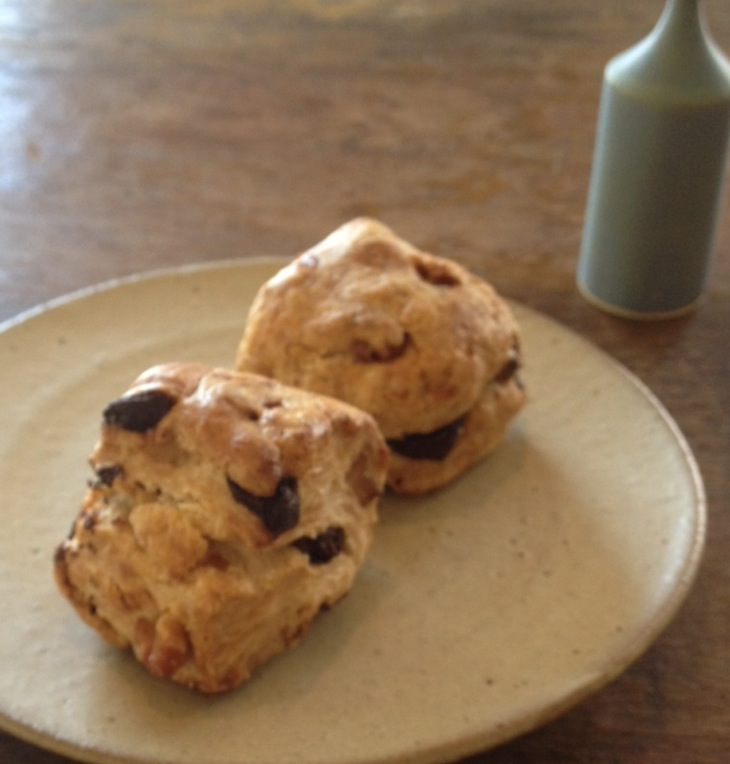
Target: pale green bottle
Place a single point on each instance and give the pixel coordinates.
(658, 170)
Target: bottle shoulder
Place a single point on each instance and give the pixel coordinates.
(678, 61)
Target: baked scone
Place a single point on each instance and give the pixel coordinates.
(226, 510)
(422, 344)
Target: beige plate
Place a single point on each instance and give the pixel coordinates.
(483, 611)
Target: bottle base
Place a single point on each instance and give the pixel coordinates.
(635, 315)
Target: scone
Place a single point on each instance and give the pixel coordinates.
(226, 511)
(425, 346)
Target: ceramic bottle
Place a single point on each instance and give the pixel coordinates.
(658, 169)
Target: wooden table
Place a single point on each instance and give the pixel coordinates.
(136, 134)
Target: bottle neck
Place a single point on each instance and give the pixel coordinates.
(681, 27)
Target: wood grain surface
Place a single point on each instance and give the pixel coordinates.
(137, 134)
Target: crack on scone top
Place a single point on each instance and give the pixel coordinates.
(436, 272)
(364, 352)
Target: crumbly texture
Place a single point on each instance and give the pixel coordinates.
(422, 344)
(226, 511)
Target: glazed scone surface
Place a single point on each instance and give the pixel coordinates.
(415, 340)
(227, 510)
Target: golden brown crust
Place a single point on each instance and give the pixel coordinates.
(415, 340)
(227, 511)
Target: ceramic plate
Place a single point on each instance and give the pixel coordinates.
(484, 609)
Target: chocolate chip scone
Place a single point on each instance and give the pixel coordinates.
(425, 346)
(226, 511)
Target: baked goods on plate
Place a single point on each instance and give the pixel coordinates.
(425, 346)
(226, 511)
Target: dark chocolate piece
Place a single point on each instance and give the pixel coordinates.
(106, 475)
(279, 512)
(507, 371)
(138, 412)
(434, 446)
(322, 548)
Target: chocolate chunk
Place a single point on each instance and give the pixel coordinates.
(322, 548)
(138, 412)
(434, 446)
(507, 371)
(511, 366)
(106, 475)
(279, 512)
